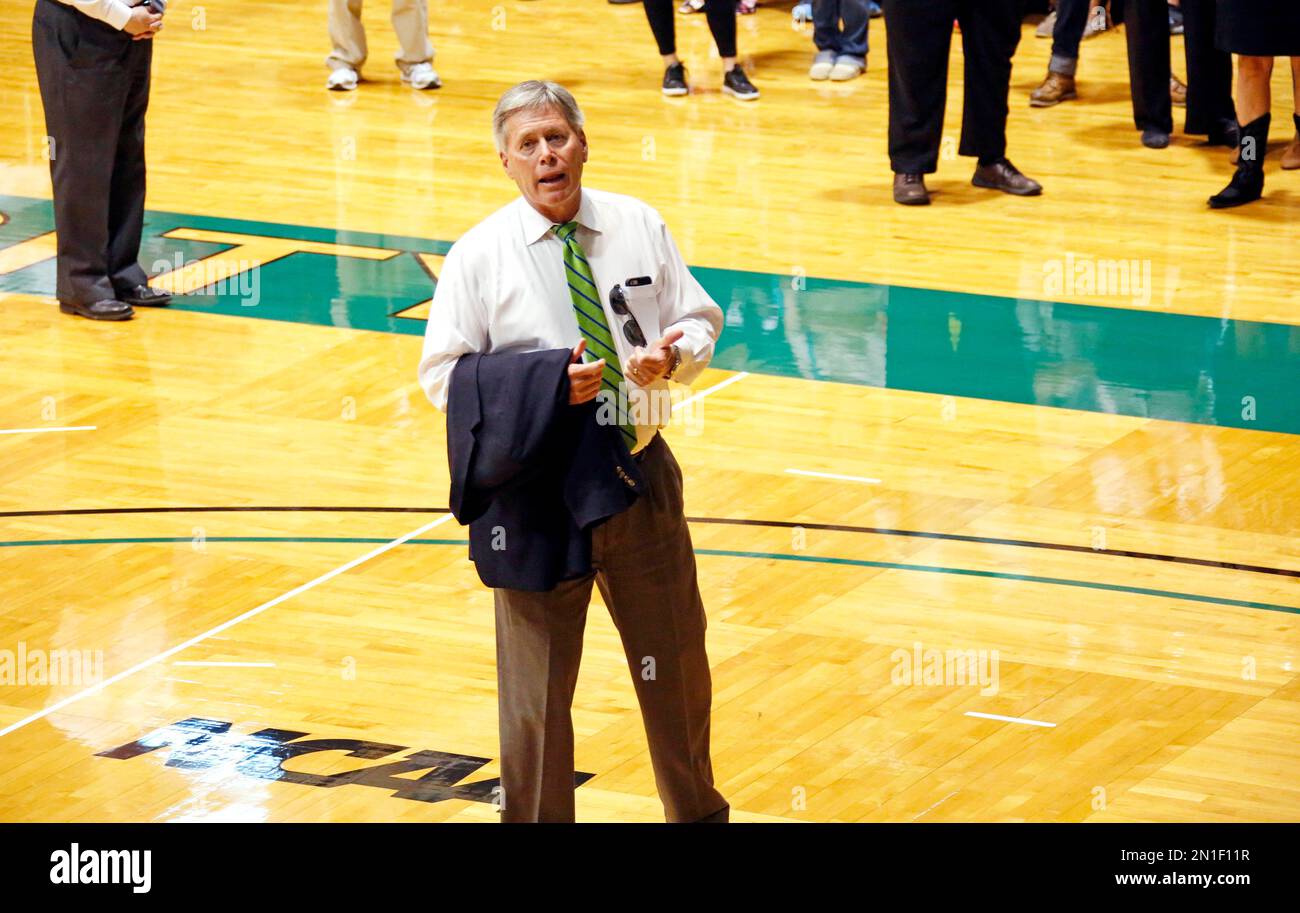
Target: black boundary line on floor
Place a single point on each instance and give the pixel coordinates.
(728, 521)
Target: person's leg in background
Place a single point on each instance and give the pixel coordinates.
(721, 15)
(918, 37)
(660, 15)
(415, 54)
(990, 31)
(1146, 30)
(1254, 99)
(853, 44)
(1059, 86)
(539, 650)
(826, 37)
(126, 198)
(1291, 155)
(1210, 111)
(348, 38)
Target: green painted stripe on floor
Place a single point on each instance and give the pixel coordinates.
(724, 553)
(1142, 363)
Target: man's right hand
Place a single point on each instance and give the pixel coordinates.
(584, 380)
(143, 24)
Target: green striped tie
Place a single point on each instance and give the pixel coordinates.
(591, 319)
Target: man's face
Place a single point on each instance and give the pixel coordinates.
(544, 155)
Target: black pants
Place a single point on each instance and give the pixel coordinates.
(95, 88)
(919, 34)
(1209, 70)
(722, 23)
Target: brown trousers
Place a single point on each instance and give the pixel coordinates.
(644, 564)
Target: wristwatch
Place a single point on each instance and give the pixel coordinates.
(677, 361)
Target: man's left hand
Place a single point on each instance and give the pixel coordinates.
(648, 365)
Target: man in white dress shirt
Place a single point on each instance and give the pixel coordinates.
(564, 267)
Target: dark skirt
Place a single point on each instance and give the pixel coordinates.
(1259, 28)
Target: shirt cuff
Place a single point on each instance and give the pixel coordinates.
(116, 14)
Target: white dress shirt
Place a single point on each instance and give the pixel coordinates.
(503, 288)
(114, 12)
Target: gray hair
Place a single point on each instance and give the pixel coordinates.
(532, 95)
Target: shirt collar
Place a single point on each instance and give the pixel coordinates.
(536, 226)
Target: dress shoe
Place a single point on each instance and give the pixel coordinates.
(107, 309)
(1154, 138)
(1177, 91)
(1004, 176)
(1056, 88)
(1225, 133)
(144, 296)
(1247, 184)
(1291, 154)
(909, 189)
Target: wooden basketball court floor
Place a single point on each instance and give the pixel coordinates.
(1058, 436)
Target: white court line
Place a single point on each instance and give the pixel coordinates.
(1010, 719)
(43, 430)
(833, 475)
(715, 388)
(93, 689)
(936, 805)
(186, 662)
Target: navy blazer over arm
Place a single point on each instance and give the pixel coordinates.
(531, 474)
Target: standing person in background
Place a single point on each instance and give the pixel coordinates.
(414, 60)
(918, 34)
(1210, 110)
(840, 34)
(1257, 31)
(721, 15)
(95, 97)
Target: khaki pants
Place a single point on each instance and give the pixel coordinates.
(645, 568)
(410, 22)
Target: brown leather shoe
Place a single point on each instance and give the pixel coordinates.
(909, 189)
(1006, 177)
(1177, 91)
(108, 309)
(1055, 89)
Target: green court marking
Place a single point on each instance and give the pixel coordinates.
(723, 553)
(1149, 364)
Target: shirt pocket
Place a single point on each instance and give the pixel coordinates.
(643, 302)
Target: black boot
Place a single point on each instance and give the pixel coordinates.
(1247, 185)
(1226, 132)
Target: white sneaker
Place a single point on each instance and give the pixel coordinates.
(422, 76)
(344, 79)
(822, 65)
(846, 68)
